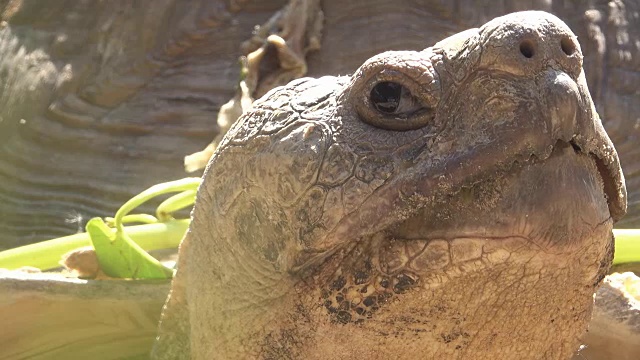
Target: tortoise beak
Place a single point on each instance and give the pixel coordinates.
(573, 119)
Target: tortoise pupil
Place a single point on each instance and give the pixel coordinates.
(385, 96)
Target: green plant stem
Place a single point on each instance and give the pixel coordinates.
(150, 193)
(627, 246)
(133, 218)
(175, 203)
(46, 255)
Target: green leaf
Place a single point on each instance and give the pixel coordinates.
(120, 257)
(117, 254)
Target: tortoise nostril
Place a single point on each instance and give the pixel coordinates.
(568, 46)
(527, 48)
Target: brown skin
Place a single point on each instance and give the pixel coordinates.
(470, 220)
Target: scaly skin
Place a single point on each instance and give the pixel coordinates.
(471, 221)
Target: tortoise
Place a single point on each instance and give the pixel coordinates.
(455, 202)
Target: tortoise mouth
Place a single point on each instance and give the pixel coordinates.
(543, 191)
(550, 208)
(547, 212)
(550, 201)
(547, 199)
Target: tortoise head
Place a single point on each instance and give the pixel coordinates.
(452, 202)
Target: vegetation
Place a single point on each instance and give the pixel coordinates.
(121, 250)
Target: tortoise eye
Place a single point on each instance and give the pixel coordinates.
(392, 98)
(396, 90)
(385, 96)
